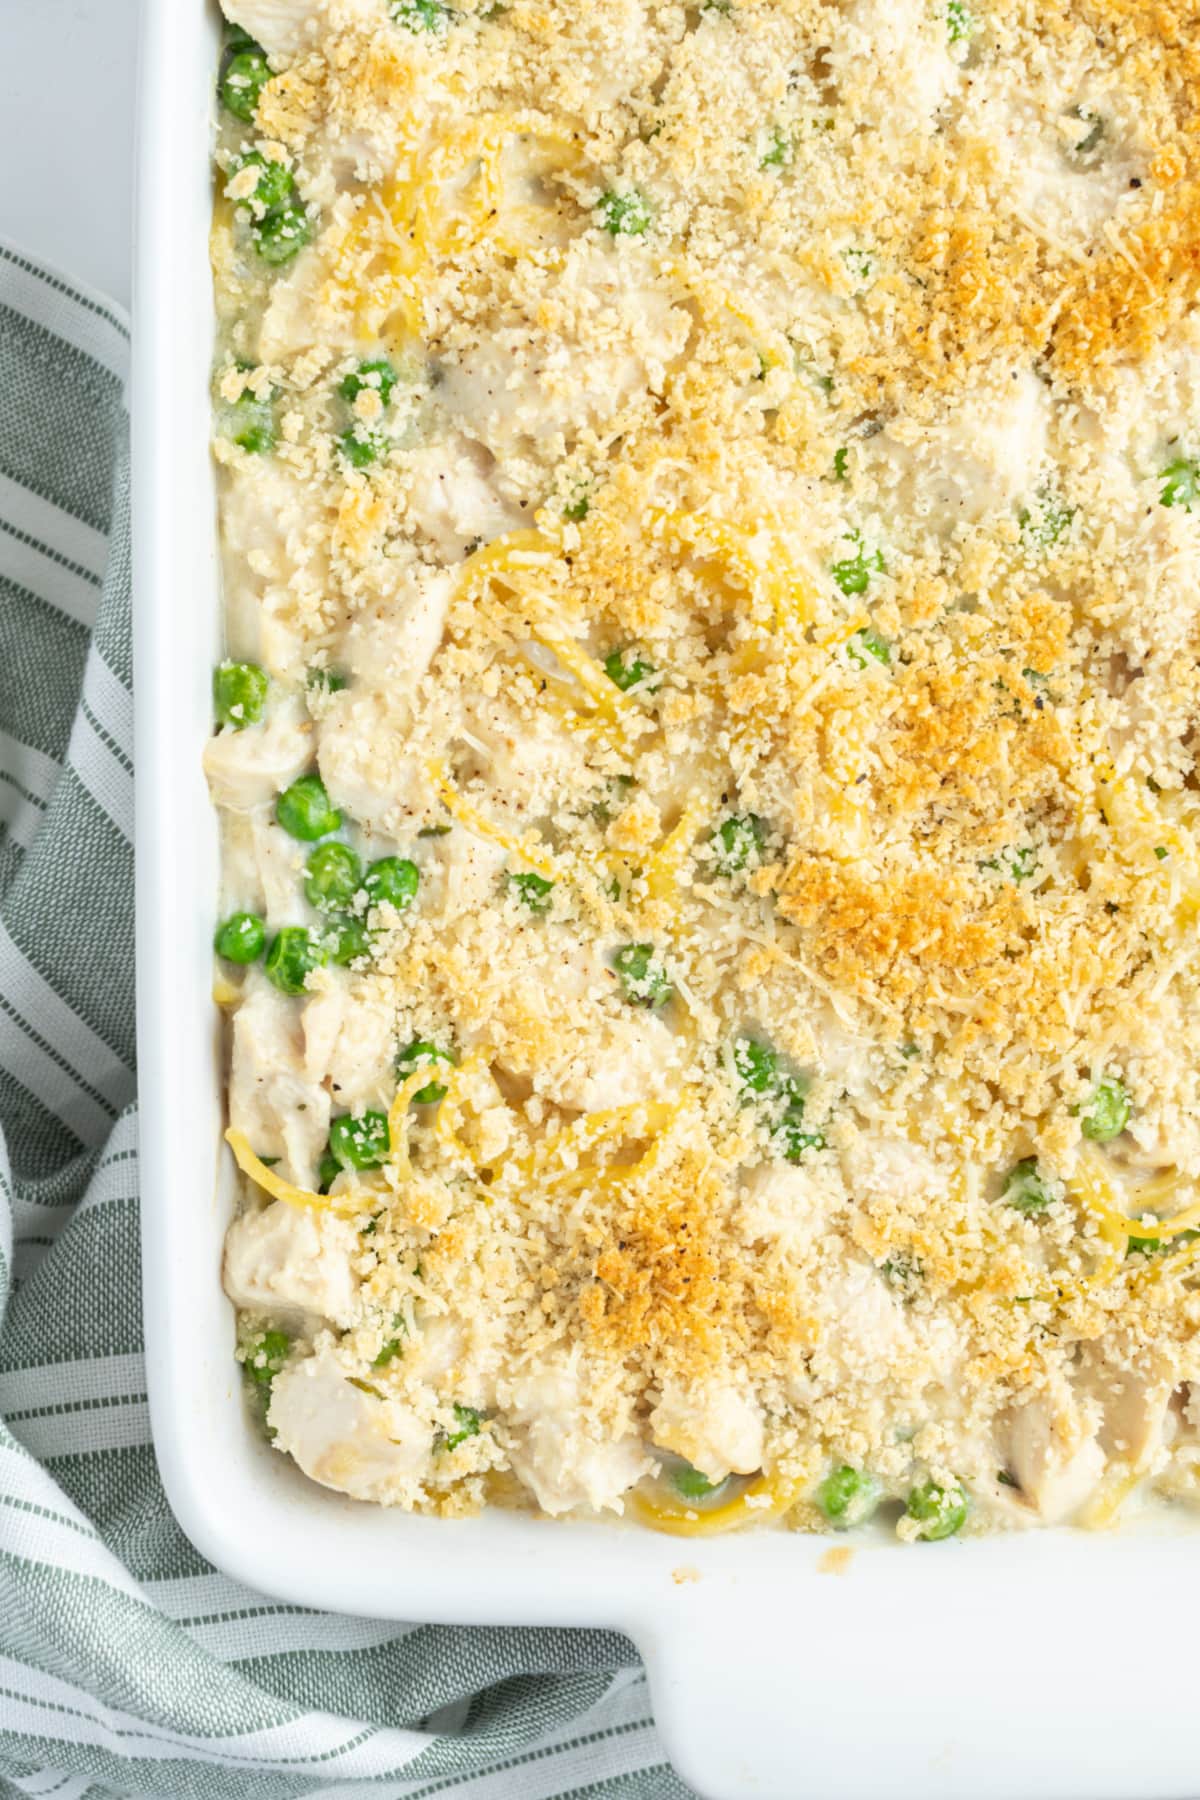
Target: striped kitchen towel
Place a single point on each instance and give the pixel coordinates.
(127, 1664)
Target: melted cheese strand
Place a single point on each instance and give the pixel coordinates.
(345, 1205)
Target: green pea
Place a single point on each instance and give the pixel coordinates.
(239, 693)
(394, 1345)
(333, 875)
(1025, 1190)
(756, 1064)
(374, 376)
(246, 74)
(275, 185)
(254, 431)
(1179, 483)
(860, 264)
(690, 1484)
(853, 573)
(643, 979)
(794, 1089)
(360, 448)
(867, 643)
(252, 423)
(347, 940)
(417, 1055)
(1146, 1246)
(466, 1422)
(960, 25)
(281, 234)
(295, 952)
(615, 795)
(241, 938)
(265, 1355)
(1021, 861)
(360, 1143)
(939, 1511)
(304, 810)
(738, 841)
(328, 1170)
(535, 890)
(422, 15)
(1046, 522)
(624, 215)
(794, 1139)
(1089, 143)
(1105, 1114)
(903, 1273)
(392, 881)
(848, 1496)
(625, 669)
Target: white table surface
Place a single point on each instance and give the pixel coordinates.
(68, 70)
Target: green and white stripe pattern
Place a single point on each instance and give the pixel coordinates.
(127, 1664)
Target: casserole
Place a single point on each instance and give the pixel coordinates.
(747, 1701)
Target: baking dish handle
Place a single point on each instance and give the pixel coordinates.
(787, 1667)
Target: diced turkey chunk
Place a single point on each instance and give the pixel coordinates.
(274, 537)
(842, 1054)
(1066, 154)
(897, 49)
(349, 1039)
(452, 1358)
(367, 763)
(272, 1101)
(248, 768)
(982, 458)
(436, 1350)
(393, 642)
(1054, 1453)
(1153, 401)
(863, 1325)
(559, 1451)
(261, 867)
(891, 1167)
(307, 310)
(464, 874)
(635, 1059)
(453, 502)
(280, 861)
(286, 1261)
(715, 1426)
(286, 27)
(530, 389)
(1134, 1405)
(546, 1005)
(608, 53)
(517, 756)
(370, 1447)
(783, 1203)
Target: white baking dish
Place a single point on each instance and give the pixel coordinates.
(1049, 1665)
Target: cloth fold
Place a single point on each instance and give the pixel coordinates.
(128, 1665)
